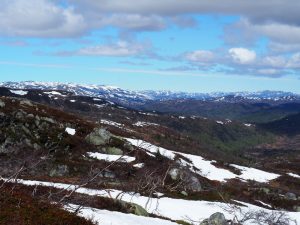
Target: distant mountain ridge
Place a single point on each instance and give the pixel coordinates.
(127, 97)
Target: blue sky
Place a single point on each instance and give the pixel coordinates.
(192, 45)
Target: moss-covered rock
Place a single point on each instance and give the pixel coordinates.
(113, 151)
(98, 137)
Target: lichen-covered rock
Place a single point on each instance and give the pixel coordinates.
(2, 104)
(215, 219)
(290, 196)
(26, 102)
(134, 208)
(174, 173)
(98, 137)
(138, 210)
(192, 183)
(189, 181)
(49, 120)
(59, 171)
(113, 151)
(108, 174)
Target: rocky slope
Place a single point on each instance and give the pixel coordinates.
(112, 152)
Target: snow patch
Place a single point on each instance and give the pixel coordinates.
(255, 174)
(54, 93)
(105, 217)
(18, 92)
(112, 123)
(294, 175)
(176, 209)
(205, 167)
(70, 131)
(142, 124)
(139, 165)
(111, 158)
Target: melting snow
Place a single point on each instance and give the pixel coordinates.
(205, 167)
(112, 123)
(142, 124)
(19, 92)
(294, 175)
(105, 217)
(264, 204)
(70, 131)
(54, 93)
(139, 165)
(255, 174)
(176, 209)
(111, 158)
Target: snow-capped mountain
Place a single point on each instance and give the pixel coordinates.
(127, 97)
(110, 93)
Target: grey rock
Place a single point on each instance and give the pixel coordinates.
(184, 193)
(108, 174)
(113, 151)
(98, 137)
(290, 196)
(49, 120)
(26, 130)
(30, 116)
(5, 147)
(138, 210)
(37, 120)
(192, 183)
(215, 219)
(20, 115)
(59, 171)
(26, 102)
(265, 190)
(36, 146)
(2, 104)
(174, 173)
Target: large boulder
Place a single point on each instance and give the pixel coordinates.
(139, 210)
(189, 180)
(98, 137)
(134, 208)
(215, 219)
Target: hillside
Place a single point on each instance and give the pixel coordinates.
(63, 139)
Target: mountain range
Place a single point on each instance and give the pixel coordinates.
(127, 97)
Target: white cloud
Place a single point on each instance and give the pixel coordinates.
(119, 49)
(257, 11)
(242, 55)
(133, 22)
(39, 18)
(294, 61)
(274, 61)
(268, 72)
(282, 33)
(200, 56)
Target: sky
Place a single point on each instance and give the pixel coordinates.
(183, 45)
